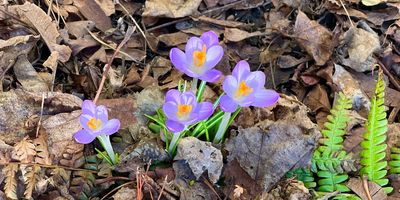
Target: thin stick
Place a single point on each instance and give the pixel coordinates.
(347, 13)
(162, 189)
(50, 166)
(40, 118)
(115, 189)
(365, 186)
(128, 35)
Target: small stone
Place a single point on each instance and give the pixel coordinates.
(201, 156)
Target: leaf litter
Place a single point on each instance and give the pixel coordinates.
(53, 54)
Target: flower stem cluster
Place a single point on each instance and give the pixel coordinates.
(184, 112)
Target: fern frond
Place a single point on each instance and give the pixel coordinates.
(373, 153)
(42, 152)
(330, 182)
(10, 187)
(339, 162)
(24, 150)
(31, 176)
(303, 175)
(334, 128)
(394, 162)
(82, 184)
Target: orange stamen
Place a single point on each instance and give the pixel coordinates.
(94, 123)
(243, 89)
(199, 57)
(183, 110)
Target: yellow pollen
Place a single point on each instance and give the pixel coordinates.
(199, 57)
(243, 89)
(94, 123)
(183, 110)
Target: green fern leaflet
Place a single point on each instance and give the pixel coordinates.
(394, 163)
(373, 153)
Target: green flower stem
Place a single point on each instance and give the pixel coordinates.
(200, 92)
(209, 123)
(174, 142)
(193, 87)
(105, 142)
(222, 127)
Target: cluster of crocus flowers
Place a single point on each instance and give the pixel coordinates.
(95, 124)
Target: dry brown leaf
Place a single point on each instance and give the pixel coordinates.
(173, 39)
(42, 152)
(372, 2)
(79, 28)
(39, 20)
(24, 150)
(10, 49)
(314, 38)
(237, 35)
(170, 8)
(238, 191)
(92, 11)
(160, 66)
(225, 23)
(30, 176)
(107, 6)
(28, 77)
(18, 106)
(376, 191)
(10, 187)
(60, 129)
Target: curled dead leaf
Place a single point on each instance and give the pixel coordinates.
(314, 38)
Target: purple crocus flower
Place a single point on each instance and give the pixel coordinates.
(182, 110)
(200, 57)
(94, 120)
(245, 88)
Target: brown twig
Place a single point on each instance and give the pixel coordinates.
(395, 83)
(112, 178)
(115, 189)
(365, 186)
(40, 118)
(128, 35)
(50, 166)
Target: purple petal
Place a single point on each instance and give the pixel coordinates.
(213, 56)
(247, 100)
(84, 119)
(204, 110)
(102, 113)
(264, 98)
(111, 127)
(178, 59)
(230, 85)
(172, 95)
(255, 80)
(188, 98)
(88, 107)
(210, 38)
(211, 76)
(241, 70)
(174, 126)
(194, 43)
(227, 104)
(170, 108)
(84, 137)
